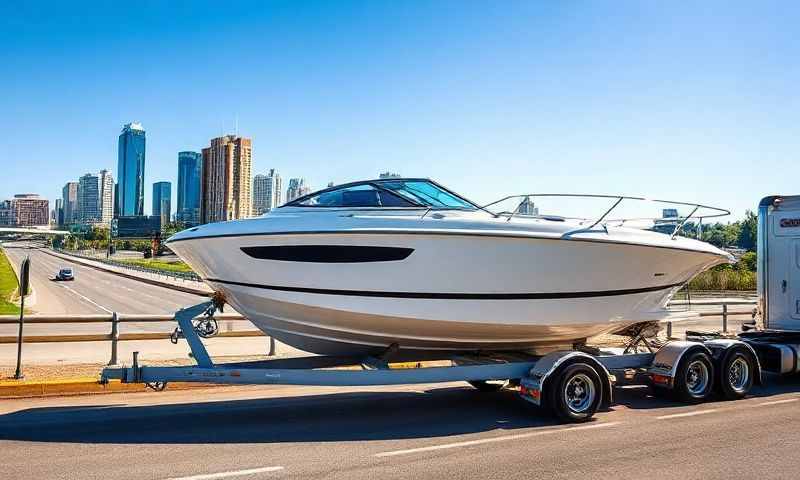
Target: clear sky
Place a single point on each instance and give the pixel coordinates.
(661, 99)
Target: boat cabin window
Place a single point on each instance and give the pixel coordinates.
(427, 193)
(355, 196)
(386, 193)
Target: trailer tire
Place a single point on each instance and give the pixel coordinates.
(488, 385)
(694, 378)
(575, 393)
(737, 373)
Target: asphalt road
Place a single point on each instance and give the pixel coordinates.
(93, 290)
(427, 431)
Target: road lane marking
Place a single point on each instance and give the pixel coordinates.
(686, 414)
(778, 402)
(233, 473)
(482, 441)
(84, 297)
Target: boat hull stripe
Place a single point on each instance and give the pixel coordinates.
(452, 296)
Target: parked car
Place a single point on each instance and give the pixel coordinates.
(65, 274)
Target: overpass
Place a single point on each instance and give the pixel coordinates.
(32, 231)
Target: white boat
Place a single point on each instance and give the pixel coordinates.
(407, 264)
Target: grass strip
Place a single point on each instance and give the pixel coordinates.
(8, 285)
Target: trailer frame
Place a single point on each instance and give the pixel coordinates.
(538, 376)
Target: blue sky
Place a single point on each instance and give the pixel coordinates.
(660, 99)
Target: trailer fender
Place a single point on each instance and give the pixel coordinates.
(532, 387)
(723, 347)
(667, 359)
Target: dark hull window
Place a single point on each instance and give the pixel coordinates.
(328, 253)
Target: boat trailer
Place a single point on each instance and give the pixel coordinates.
(572, 384)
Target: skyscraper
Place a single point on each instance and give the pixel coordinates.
(189, 178)
(59, 212)
(266, 192)
(105, 196)
(94, 198)
(297, 188)
(88, 199)
(225, 191)
(69, 198)
(162, 201)
(129, 197)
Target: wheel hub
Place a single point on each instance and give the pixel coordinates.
(579, 393)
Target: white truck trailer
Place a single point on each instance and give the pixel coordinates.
(572, 384)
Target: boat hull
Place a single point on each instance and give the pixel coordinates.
(453, 292)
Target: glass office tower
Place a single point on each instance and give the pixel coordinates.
(190, 166)
(129, 192)
(162, 201)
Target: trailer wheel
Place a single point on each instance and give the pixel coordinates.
(694, 379)
(574, 394)
(488, 385)
(737, 374)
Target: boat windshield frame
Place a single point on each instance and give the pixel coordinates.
(380, 184)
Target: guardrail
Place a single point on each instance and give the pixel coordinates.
(116, 263)
(114, 336)
(115, 319)
(725, 313)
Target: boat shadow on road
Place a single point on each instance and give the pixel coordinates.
(336, 417)
(333, 417)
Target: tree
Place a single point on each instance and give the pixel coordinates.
(747, 234)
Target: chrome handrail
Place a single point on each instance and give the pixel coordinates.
(721, 212)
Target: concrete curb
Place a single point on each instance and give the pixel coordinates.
(77, 386)
(115, 271)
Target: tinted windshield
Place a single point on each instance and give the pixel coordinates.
(355, 196)
(386, 193)
(426, 193)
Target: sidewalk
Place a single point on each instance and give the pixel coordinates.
(188, 286)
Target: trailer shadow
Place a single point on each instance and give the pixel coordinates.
(439, 412)
(643, 398)
(330, 417)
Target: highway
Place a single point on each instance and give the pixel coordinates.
(93, 291)
(96, 291)
(425, 431)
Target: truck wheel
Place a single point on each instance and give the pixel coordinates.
(737, 374)
(574, 394)
(488, 385)
(694, 380)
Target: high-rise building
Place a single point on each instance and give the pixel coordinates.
(526, 207)
(259, 194)
(69, 199)
(389, 175)
(26, 210)
(105, 196)
(59, 212)
(6, 213)
(162, 201)
(89, 199)
(266, 192)
(189, 177)
(225, 191)
(297, 188)
(129, 196)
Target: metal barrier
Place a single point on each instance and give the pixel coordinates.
(116, 319)
(191, 276)
(114, 336)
